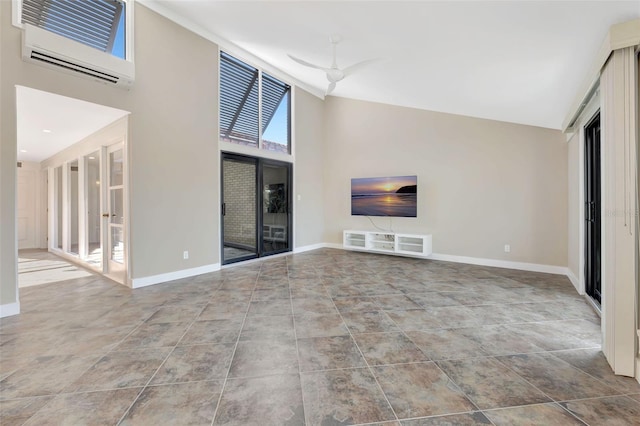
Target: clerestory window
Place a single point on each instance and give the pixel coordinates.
(101, 24)
(255, 108)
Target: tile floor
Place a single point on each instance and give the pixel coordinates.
(321, 338)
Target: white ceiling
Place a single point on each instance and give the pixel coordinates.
(68, 120)
(515, 61)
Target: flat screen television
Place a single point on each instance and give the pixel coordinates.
(384, 196)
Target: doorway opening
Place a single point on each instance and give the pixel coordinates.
(76, 152)
(592, 211)
(256, 207)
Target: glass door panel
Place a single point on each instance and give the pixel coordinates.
(115, 209)
(116, 168)
(74, 247)
(239, 209)
(94, 243)
(58, 207)
(117, 245)
(275, 207)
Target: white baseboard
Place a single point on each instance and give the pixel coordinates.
(317, 246)
(333, 246)
(176, 275)
(309, 248)
(574, 280)
(522, 266)
(9, 309)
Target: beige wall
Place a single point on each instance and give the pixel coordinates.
(481, 184)
(309, 169)
(172, 147)
(172, 143)
(574, 220)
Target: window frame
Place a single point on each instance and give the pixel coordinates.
(16, 20)
(258, 150)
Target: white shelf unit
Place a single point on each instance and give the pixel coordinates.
(355, 239)
(387, 242)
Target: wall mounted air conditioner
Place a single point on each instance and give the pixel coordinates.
(54, 51)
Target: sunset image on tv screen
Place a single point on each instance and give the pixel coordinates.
(384, 196)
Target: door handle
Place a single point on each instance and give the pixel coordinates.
(224, 209)
(105, 214)
(590, 211)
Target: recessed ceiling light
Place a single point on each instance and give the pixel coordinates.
(23, 150)
(46, 130)
(92, 158)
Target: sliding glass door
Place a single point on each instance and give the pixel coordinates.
(239, 208)
(256, 213)
(275, 207)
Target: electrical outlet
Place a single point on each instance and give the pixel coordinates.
(185, 255)
(507, 248)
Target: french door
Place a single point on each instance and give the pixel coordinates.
(592, 204)
(256, 207)
(86, 199)
(114, 214)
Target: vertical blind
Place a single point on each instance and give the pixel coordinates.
(91, 22)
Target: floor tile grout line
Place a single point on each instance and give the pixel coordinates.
(526, 380)
(295, 336)
(345, 265)
(586, 372)
(367, 363)
(169, 353)
(624, 395)
(435, 416)
(448, 377)
(235, 348)
(533, 405)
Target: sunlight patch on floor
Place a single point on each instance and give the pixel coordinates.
(43, 271)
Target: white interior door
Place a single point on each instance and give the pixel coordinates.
(114, 215)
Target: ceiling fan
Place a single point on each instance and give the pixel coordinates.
(334, 74)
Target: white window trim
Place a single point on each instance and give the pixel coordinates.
(16, 20)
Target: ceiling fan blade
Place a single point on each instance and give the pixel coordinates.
(330, 88)
(307, 64)
(355, 67)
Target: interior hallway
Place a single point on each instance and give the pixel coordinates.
(323, 337)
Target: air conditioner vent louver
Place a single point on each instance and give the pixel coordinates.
(54, 51)
(39, 56)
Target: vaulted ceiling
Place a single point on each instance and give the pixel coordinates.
(514, 61)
